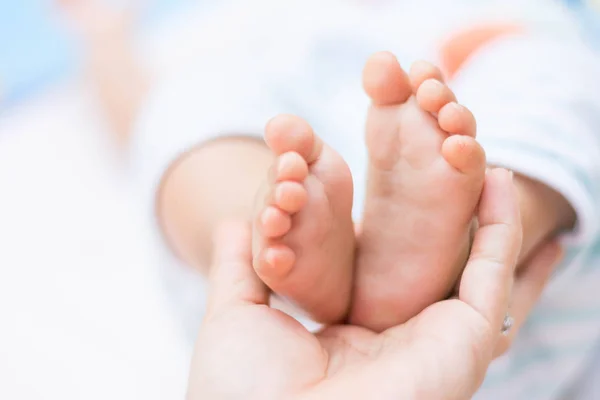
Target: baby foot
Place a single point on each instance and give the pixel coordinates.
(303, 240)
(426, 173)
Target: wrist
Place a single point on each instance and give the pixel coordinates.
(544, 213)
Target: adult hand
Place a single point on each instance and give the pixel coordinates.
(530, 281)
(248, 350)
(543, 212)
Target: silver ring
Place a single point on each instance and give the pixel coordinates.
(507, 324)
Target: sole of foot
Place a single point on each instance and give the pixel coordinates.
(303, 241)
(426, 173)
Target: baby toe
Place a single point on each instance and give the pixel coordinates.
(420, 71)
(464, 154)
(432, 95)
(274, 222)
(457, 120)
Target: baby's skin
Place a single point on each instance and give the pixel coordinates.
(426, 173)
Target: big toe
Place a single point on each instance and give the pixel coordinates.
(289, 133)
(384, 80)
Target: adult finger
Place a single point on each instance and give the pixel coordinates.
(528, 287)
(487, 279)
(233, 280)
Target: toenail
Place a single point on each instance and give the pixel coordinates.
(266, 215)
(279, 195)
(284, 168)
(269, 258)
(436, 83)
(455, 105)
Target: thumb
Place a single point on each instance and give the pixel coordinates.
(232, 278)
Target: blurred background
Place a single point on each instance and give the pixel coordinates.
(81, 316)
(74, 285)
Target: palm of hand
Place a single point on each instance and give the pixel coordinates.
(305, 365)
(248, 350)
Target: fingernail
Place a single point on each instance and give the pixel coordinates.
(503, 173)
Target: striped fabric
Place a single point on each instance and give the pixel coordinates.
(536, 100)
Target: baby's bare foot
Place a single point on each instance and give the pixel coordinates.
(426, 173)
(303, 232)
